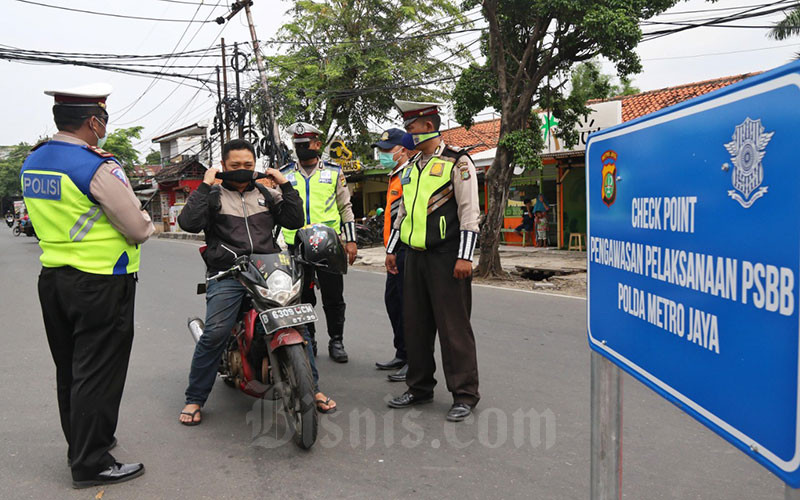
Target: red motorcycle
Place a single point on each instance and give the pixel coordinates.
(266, 355)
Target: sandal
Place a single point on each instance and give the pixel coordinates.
(192, 422)
(322, 400)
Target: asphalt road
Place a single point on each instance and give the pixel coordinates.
(533, 360)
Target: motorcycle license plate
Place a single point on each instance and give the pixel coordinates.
(284, 317)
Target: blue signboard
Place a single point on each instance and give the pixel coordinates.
(694, 259)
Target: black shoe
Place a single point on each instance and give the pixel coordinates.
(117, 473)
(337, 352)
(394, 364)
(407, 399)
(458, 412)
(399, 376)
(113, 445)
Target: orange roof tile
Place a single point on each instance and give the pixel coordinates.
(637, 105)
(484, 135)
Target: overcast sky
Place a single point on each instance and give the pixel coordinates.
(694, 55)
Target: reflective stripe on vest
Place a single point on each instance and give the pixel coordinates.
(318, 193)
(394, 197)
(431, 210)
(72, 228)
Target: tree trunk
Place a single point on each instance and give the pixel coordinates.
(498, 179)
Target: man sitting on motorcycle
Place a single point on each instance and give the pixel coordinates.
(238, 218)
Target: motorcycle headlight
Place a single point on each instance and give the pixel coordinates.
(279, 281)
(280, 288)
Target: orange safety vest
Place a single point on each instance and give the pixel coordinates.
(393, 195)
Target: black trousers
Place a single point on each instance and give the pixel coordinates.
(393, 297)
(433, 300)
(89, 324)
(332, 287)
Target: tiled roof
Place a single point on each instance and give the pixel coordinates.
(638, 105)
(484, 135)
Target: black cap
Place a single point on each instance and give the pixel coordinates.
(391, 138)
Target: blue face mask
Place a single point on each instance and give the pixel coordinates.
(387, 159)
(411, 141)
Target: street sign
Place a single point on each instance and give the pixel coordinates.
(694, 259)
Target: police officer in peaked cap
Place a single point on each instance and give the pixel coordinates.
(437, 220)
(91, 227)
(326, 200)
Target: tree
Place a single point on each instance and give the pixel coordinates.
(530, 47)
(153, 158)
(589, 82)
(347, 60)
(10, 166)
(788, 26)
(119, 143)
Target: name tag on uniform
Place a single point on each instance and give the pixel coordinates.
(325, 177)
(406, 176)
(437, 169)
(291, 179)
(43, 186)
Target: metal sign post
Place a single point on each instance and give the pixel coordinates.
(693, 275)
(606, 410)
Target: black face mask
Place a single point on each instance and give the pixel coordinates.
(304, 153)
(240, 175)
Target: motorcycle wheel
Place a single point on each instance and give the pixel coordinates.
(297, 372)
(17, 231)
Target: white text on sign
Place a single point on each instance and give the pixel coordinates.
(673, 213)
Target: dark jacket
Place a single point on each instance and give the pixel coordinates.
(240, 223)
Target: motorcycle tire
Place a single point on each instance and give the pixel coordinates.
(301, 408)
(17, 231)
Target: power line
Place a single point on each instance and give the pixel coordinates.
(109, 14)
(720, 53)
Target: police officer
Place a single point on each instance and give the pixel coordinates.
(438, 221)
(394, 156)
(326, 200)
(91, 227)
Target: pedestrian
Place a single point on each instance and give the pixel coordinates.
(541, 205)
(541, 229)
(438, 221)
(527, 217)
(326, 200)
(90, 226)
(394, 156)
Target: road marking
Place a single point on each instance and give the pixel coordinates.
(534, 292)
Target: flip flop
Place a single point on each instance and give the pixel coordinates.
(324, 401)
(192, 422)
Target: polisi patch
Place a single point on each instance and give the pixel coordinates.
(42, 186)
(120, 174)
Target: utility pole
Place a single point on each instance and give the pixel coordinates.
(262, 71)
(225, 89)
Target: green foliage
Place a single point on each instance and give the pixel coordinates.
(524, 146)
(344, 65)
(153, 158)
(10, 166)
(119, 143)
(788, 26)
(475, 90)
(589, 82)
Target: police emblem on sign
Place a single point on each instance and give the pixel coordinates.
(747, 149)
(609, 160)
